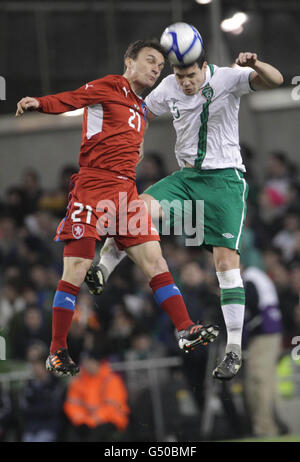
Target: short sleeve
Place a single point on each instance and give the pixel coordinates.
(237, 80)
(156, 101)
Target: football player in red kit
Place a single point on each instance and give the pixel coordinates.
(103, 197)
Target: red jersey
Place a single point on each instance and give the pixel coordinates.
(113, 122)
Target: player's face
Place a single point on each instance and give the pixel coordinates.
(144, 71)
(191, 78)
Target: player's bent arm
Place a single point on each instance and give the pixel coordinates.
(264, 76)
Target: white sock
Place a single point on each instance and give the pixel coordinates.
(234, 320)
(110, 256)
(233, 307)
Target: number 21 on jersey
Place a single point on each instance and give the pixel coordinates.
(134, 120)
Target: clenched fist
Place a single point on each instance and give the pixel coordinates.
(246, 59)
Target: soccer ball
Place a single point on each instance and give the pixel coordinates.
(182, 42)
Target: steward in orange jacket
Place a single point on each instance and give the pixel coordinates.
(97, 396)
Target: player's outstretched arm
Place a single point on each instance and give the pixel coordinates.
(265, 76)
(26, 104)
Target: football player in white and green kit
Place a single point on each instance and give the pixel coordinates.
(204, 102)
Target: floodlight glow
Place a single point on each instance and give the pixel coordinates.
(203, 2)
(235, 23)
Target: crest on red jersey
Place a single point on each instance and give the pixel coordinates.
(78, 230)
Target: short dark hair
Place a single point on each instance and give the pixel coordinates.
(135, 47)
(200, 61)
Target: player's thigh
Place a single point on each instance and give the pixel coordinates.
(170, 193)
(148, 257)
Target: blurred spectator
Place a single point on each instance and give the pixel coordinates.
(26, 328)
(198, 292)
(11, 302)
(31, 190)
(286, 238)
(42, 281)
(279, 175)
(152, 169)
(41, 404)
(296, 251)
(5, 412)
(266, 218)
(263, 336)
(293, 195)
(55, 201)
(287, 286)
(96, 402)
(14, 204)
(8, 239)
(272, 256)
(121, 329)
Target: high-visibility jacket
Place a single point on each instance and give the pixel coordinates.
(96, 399)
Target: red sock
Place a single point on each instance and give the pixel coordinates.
(168, 296)
(62, 313)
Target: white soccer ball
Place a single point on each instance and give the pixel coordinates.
(182, 42)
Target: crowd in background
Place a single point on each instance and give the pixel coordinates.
(125, 323)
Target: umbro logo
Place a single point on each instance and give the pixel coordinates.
(88, 86)
(228, 235)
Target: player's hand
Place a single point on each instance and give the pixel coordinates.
(26, 104)
(246, 59)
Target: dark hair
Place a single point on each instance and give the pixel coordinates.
(199, 61)
(135, 47)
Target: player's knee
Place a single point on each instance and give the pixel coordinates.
(75, 270)
(223, 265)
(158, 266)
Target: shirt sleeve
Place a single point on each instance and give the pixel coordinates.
(90, 93)
(156, 100)
(237, 80)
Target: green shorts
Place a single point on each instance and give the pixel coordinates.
(215, 201)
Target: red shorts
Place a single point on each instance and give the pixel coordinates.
(102, 204)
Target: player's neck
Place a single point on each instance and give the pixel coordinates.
(135, 86)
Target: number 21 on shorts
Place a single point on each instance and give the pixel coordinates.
(80, 208)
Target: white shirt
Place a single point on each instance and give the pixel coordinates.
(206, 123)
